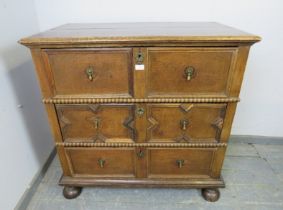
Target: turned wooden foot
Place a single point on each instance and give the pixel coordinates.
(210, 195)
(71, 192)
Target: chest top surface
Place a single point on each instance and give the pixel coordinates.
(93, 33)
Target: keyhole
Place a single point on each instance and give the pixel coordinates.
(140, 153)
(139, 58)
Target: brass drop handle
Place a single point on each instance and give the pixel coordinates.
(184, 124)
(101, 163)
(96, 123)
(180, 163)
(90, 73)
(189, 72)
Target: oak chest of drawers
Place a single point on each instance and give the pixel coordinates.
(141, 104)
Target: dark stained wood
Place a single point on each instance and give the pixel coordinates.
(141, 115)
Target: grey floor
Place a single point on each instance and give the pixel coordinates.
(253, 174)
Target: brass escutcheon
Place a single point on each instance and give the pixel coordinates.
(139, 58)
(140, 111)
(140, 153)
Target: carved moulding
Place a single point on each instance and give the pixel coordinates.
(89, 144)
(137, 100)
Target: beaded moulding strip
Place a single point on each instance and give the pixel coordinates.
(192, 145)
(137, 100)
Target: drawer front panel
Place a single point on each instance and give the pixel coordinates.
(182, 72)
(97, 122)
(184, 122)
(180, 163)
(102, 162)
(97, 73)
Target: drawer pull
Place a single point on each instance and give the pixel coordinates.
(96, 123)
(184, 124)
(180, 163)
(90, 73)
(189, 72)
(101, 163)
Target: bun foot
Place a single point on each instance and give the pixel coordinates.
(210, 194)
(71, 192)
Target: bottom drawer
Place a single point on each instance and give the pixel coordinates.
(180, 162)
(102, 162)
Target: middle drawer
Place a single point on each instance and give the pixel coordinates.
(129, 123)
(97, 122)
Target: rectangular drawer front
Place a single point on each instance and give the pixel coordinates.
(99, 73)
(97, 122)
(184, 122)
(181, 72)
(180, 163)
(102, 162)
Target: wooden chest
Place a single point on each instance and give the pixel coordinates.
(141, 104)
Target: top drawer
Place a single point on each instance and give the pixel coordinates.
(99, 73)
(185, 72)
